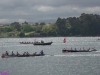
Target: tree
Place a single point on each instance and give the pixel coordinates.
(54, 30)
(46, 29)
(16, 25)
(27, 28)
(25, 22)
(36, 23)
(61, 24)
(42, 23)
(22, 34)
(91, 24)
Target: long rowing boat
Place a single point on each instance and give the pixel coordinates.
(30, 55)
(88, 50)
(26, 42)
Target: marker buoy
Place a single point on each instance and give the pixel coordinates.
(64, 41)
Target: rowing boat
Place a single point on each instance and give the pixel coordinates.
(88, 50)
(30, 55)
(26, 42)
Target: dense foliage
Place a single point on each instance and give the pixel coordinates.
(85, 25)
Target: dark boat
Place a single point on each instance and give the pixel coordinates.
(38, 43)
(88, 50)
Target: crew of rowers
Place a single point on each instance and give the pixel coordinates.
(76, 49)
(39, 42)
(25, 53)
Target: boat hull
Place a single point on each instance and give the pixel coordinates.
(7, 56)
(75, 51)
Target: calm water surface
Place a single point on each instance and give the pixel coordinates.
(55, 62)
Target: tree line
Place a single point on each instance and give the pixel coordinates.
(84, 25)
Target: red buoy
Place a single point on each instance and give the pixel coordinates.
(64, 41)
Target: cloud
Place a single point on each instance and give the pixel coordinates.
(4, 20)
(45, 8)
(35, 10)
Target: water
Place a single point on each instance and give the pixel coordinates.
(55, 62)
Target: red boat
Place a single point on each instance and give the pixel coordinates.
(26, 42)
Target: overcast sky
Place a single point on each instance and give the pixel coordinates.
(35, 10)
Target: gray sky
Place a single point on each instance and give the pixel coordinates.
(35, 10)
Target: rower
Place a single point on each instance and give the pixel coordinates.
(42, 41)
(41, 53)
(75, 49)
(34, 53)
(13, 53)
(71, 48)
(27, 54)
(7, 53)
(83, 49)
(88, 49)
(80, 49)
(24, 53)
(18, 53)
